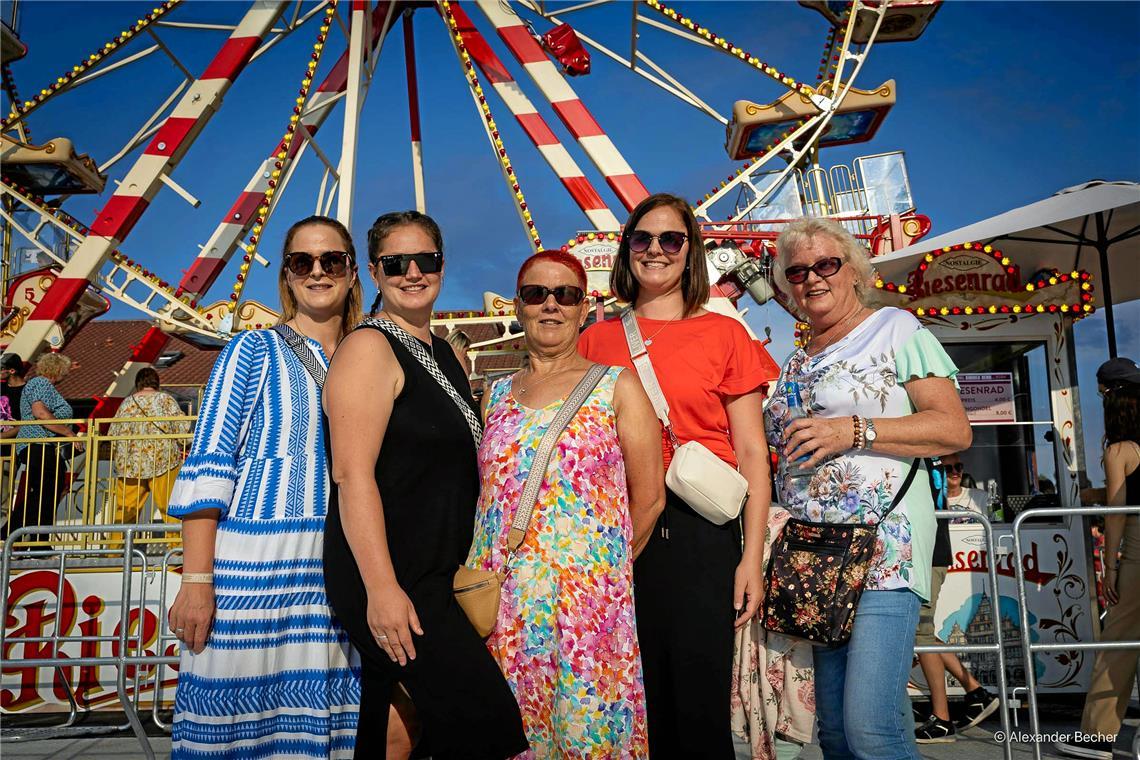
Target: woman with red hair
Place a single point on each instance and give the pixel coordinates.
(565, 635)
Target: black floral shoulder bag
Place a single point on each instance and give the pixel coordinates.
(817, 573)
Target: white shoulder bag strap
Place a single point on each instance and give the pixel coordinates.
(644, 367)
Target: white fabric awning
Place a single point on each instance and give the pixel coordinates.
(1065, 231)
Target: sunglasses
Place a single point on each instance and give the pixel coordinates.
(824, 268)
(564, 295)
(333, 263)
(670, 242)
(957, 468)
(429, 262)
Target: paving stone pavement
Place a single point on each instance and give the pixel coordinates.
(975, 744)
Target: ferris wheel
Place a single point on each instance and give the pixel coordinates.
(80, 264)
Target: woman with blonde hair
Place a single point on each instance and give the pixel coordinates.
(881, 396)
(45, 466)
(266, 670)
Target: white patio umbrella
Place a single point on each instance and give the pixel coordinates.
(1094, 226)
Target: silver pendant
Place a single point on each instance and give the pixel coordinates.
(648, 342)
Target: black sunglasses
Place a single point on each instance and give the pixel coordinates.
(428, 262)
(670, 242)
(824, 268)
(957, 467)
(564, 295)
(333, 263)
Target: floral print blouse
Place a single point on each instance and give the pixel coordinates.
(863, 374)
(145, 452)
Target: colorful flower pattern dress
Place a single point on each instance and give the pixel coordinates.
(565, 636)
(863, 374)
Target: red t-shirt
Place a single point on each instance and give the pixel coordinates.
(700, 362)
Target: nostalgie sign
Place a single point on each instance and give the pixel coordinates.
(89, 606)
(987, 396)
(975, 279)
(1053, 559)
(598, 257)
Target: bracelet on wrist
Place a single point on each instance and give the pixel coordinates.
(857, 434)
(197, 577)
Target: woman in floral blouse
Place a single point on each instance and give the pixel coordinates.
(879, 379)
(146, 460)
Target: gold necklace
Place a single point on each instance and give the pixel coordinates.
(838, 332)
(649, 341)
(530, 372)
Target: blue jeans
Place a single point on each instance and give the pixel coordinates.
(860, 687)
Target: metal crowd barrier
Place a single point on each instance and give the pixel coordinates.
(130, 648)
(1028, 647)
(998, 646)
(82, 479)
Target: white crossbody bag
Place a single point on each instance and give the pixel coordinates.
(708, 484)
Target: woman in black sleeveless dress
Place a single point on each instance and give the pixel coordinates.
(402, 513)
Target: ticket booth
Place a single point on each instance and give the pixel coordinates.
(1008, 333)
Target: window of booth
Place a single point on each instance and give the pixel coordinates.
(1005, 389)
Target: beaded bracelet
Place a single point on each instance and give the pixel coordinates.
(197, 577)
(857, 442)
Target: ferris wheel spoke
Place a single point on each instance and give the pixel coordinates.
(535, 126)
(566, 104)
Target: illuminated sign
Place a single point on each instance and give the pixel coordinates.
(976, 279)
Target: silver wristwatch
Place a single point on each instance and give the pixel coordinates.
(869, 435)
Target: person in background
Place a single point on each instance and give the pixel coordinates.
(460, 343)
(12, 374)
(959, 496)
(1114, 670)
(881, 392)
(979, 703)
(565, 634)
(695, 582)
(45, 463)
(266, 670)
(146, 461)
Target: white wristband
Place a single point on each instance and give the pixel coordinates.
(197, 577)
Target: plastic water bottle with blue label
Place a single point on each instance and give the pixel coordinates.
(796, 470)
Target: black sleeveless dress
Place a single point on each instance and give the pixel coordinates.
(429, 483)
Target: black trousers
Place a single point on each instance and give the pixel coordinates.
(45, 474)
(683, 595)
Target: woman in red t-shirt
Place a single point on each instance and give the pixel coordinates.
(692, 581)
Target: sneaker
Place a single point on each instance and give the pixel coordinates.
(979, 705)
(1092, 750)
(935, 731)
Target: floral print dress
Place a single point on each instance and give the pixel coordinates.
(863, 374)
(565, 636)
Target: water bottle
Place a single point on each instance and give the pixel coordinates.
(796, 471)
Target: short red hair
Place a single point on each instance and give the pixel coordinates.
(556, 257)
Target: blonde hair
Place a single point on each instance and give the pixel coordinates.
(459, 340)
(53, 367)
(353, 305)
(853, 252)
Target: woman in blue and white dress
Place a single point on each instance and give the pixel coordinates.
(266, 670)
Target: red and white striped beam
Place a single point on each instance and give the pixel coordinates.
(566, 103)
(536, 128)
(129, 202)
(414, 114)
(220, 247)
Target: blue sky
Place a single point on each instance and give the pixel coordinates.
(999, 105)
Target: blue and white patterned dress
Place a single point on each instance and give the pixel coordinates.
(278, 677)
